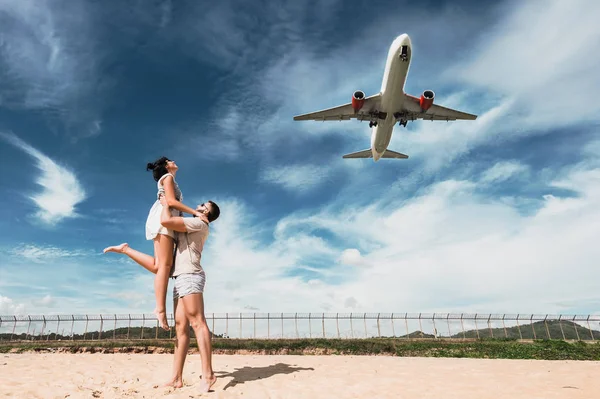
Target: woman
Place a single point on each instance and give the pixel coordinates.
(164, 171)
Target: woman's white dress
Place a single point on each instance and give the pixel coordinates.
(153, 226)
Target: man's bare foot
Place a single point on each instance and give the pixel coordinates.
(175, 382)
(117, 248)
(207, 383)
(162, 319)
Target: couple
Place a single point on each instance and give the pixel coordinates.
(165, 227)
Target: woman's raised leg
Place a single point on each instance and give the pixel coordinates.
(142, 259)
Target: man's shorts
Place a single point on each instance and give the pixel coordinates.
(188, 283)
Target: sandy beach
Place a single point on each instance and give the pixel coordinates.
(57, 375)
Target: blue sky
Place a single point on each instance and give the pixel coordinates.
(497, 215)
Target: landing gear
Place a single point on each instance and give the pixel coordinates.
(400, 117)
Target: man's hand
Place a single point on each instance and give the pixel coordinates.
(201, 216)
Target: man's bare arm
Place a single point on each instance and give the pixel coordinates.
(173, 222)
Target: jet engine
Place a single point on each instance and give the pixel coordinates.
(426, 100)
(358, 100)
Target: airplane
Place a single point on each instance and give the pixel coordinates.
(389, 106)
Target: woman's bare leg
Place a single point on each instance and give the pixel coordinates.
(142, 259)
(163, 255)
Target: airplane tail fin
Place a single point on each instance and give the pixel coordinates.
(368, 154)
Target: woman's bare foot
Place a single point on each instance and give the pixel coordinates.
(117, 248)
(175, 382)
(161, 316)
(207, 383)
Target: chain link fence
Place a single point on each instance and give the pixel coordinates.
(307, 325)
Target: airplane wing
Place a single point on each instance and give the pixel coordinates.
(412, 110)
(345, 112)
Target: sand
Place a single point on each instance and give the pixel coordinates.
(58, 375)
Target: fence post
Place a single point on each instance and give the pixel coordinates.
(448, 322)
(434, 327)
(240, 325)
(420, 326)
(406, 322)
(561, 327)
(393, 329)
(296, 322)
(576, 329)
(532, 328)
(254, 325)
(590, 328)
(143, 324)
(490, 326)
(337, 324)
(115, 327)
(268, 325)
(547, 330)
(128, 324)
(28, 325)
(57, 327)
(281, 325)
(14, 328)
(72, 326)
(378, 328)
(86, 327)
(519, 327)
(351, 327)
(462, 326)
(323, 323)
(227, 324)
(101, 325)
(504, 326)
(365, 321)
(476, 327)
(309, 327)
(43, 328)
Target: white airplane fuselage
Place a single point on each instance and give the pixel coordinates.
(392, 93)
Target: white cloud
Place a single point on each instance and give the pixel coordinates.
(296, 178)
(447, 249)
(48, 62)
(61, 190)
(9, 307)
(352, 257)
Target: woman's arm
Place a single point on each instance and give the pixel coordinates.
(172, 201)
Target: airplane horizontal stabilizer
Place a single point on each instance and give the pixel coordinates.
(369, 154)
(360, 154)
(394, 154)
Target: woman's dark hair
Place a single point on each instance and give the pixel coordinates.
(158, 167)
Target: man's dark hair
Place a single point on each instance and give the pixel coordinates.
(214, 212)
(158, 167)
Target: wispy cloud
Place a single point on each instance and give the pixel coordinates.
(48, 253)
(503, 171)
(297, 178)
(535, 70)
(48, 62)
(61, 190)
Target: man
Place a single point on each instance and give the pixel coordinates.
(189, 279)
(188, 300)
